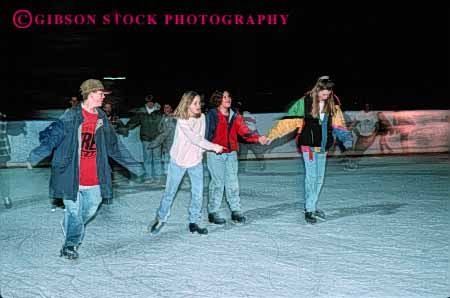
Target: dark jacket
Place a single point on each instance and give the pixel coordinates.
(311, 131)
(63, 137)
(149, 123)
(225, 133)
(315, 130)
(166, 128)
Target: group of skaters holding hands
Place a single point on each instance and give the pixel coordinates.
(83, 140)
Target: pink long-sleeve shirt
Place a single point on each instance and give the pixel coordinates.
(189, 142)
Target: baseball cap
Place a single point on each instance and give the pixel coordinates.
(92, 85)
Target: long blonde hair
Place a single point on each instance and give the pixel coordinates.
(323, 83)
(182, 110)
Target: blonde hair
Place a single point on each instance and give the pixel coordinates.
(323, 83)
(182, 110)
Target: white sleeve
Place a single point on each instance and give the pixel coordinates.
(195, 137)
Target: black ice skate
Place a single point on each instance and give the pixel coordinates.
(216, 219)
(156, 226)
(310, 218)
(237, 217)
(193, 227)
(69, 252)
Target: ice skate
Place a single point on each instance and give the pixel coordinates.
(237, 217)
(309, 218)
(69, 252)
(193, 227)
(216, 219)
(156, 226)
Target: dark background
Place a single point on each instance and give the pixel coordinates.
(391, 57)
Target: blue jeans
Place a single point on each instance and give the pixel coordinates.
(165, 161)
(174, 177)
(314, 176)
(223, 169)
(152, 161)
(79, 212)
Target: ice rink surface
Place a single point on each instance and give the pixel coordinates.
(387, 235)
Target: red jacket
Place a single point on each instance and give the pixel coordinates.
(224, 133)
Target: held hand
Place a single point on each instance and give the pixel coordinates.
(219, 149)
(263, 140)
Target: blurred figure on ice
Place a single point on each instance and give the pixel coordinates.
(365, 127)
(5, 156)
(74, 102)
(244, 147)
(7, 128)
(186, 155)
(223, 126)
(316, 117)
(117, 124)
(119, 128)
(403, 124)
(81, 141)
(148, 119)
(165, 138)
(384, 129)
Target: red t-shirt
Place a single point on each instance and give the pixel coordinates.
(88, 156)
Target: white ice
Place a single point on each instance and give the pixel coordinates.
(387, 235)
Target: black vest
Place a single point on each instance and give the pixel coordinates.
(311, 134)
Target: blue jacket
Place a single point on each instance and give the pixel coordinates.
(62, 138)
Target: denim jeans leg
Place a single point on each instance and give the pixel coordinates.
(321, 165)
(310, 182)
(165, 161)
(90, 200)
(174, 177)
(216, 167)
(156, 159)
(231, 181)
(78, 213)
(73, 222)
(195, 208)
(147, 159)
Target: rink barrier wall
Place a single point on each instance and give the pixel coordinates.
(423, 131)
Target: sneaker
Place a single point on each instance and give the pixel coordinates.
(193, 227)
(237, 217)
(216, 219)
(69, 252)
(7, 202)
(310, 218)
(156, 226)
